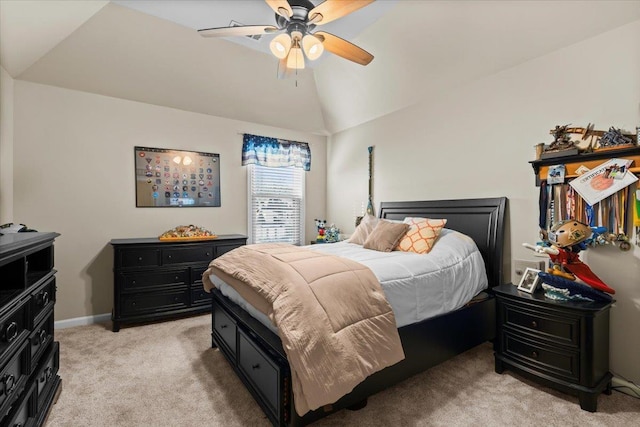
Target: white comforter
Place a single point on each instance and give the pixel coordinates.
(417, 286)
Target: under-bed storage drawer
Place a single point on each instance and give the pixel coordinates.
(261, 372)
(225, 328)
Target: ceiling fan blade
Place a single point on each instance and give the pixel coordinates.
(331, 10)
(243, 30)
(281, 7)
(343, 48)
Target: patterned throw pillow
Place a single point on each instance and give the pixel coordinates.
(422, 235)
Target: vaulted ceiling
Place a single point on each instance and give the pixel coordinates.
(154, 55)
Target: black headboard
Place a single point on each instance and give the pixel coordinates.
(481, 219)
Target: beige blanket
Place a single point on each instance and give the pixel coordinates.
(334, 321)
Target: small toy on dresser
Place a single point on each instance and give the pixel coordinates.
(565, 241)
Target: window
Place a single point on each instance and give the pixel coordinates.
(276, 205)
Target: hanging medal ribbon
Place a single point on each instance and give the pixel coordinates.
(622, 220)
(542, 203)
(636, 214)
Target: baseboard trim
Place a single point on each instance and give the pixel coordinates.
(82, 321)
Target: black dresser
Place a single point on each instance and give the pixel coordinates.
(29, 356)
(563, 345)
(156, 280)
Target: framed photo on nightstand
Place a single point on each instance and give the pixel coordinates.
(530, 280)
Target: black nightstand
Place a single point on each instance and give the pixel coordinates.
(563, 345)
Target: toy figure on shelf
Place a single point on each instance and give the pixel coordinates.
(566, 239)
(321, 224)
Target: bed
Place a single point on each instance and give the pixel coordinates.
(256, 354)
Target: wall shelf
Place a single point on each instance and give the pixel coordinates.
(589, 160)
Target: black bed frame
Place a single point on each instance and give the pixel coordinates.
(425, 344)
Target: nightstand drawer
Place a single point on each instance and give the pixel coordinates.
(553, 360)
(541, 323)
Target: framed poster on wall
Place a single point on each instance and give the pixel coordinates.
(176, 178)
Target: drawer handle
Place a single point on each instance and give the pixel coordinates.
(44, 298)
(534, 354)
(139, 258)
(177, 278)
(169, 256)
(534, 324)
(208, 254)
(46, 374)
(223, 326)
(9, 382)
(11, 332)
(256, 366)
(43, 336)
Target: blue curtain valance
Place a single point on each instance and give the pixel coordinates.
(275, 153)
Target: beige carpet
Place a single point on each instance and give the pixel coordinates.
(166, 374)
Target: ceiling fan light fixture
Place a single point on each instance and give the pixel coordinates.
(295, 60)
(280, 46)
(313, 47)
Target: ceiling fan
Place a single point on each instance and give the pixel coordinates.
(296, 20)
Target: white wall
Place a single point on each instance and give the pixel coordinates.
(6, 147)
(74, 174)
(476, 141)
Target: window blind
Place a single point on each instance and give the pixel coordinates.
(276, 205)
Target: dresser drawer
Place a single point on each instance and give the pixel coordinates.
(552, 360)
(149, 279)
(14, 327)
(46, 375)
(542, 323)
(154, 302)
(199, 296)
(40, 338)
(13, 378)
(139, 257)
(261, 372)
(42, 299)
(196, 275)
(187, 255)
(23, 415)
(225, 328)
